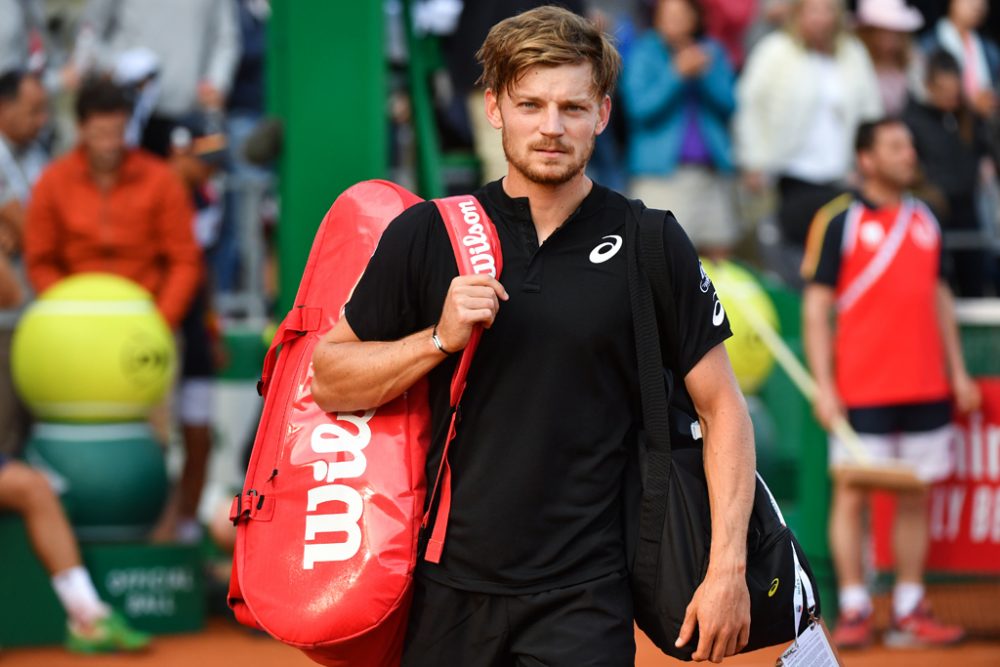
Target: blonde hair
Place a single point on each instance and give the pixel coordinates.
(548, 36)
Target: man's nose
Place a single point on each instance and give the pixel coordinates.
(552, 121)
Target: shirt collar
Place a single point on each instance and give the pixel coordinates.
(518, 208)
(126, 170)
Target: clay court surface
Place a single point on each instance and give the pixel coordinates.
(223, 644)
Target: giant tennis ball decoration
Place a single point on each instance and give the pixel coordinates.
(92, 348)
(738, 290)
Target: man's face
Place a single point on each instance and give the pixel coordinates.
(23, 118)
(892, 159)
(818, 21)
(944, 91)
(102, 136)
(549, 120)
(967, 14)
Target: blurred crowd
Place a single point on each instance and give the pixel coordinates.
(740, 115)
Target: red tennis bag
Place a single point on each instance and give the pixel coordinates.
(330, 511)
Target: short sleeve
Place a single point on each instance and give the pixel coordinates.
(386, 301)
(700, 320)
(821, 262)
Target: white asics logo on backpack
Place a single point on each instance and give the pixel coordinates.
(606, 250)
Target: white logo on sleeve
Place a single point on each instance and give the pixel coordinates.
(606, 250)
(718, 312)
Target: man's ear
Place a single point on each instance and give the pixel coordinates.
(604, 114)
(493, 109)
(863, 160)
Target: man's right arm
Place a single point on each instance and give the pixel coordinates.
(350, 374)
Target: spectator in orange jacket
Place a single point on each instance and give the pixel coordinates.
(105, 207)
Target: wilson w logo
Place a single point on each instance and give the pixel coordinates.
(335, 439)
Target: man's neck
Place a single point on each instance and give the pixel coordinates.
(104, 178)
(881, 194)
(550, 205)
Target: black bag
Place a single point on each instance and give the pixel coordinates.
(667, 513)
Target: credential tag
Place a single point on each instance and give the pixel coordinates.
(812, 649)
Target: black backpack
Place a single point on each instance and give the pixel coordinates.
(667, 517)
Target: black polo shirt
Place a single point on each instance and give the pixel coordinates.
(553, 394)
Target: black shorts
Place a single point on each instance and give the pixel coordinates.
(586, 625)
(197, 361)
(902, 418)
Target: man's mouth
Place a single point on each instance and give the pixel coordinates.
(549, 150)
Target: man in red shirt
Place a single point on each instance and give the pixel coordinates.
(104, 207)
(892, 364)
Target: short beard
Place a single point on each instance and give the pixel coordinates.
(534, 175)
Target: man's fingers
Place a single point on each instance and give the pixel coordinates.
(743, 639)
(731, 645)
(687, 628)
(705, 641)
(479, 303)
(484, 316)
(481, 280)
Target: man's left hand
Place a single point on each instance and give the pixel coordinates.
(720, 609)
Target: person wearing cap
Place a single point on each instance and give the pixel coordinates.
(885, 27)
(198, 151)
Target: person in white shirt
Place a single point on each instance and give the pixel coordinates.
(803, 93)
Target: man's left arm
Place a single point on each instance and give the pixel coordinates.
(964, 388)
(720, 608)
(179, 250)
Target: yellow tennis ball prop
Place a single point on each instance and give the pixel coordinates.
(738, 290)
(92, 348)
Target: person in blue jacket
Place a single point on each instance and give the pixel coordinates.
(678, 92)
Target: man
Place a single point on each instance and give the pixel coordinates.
(103, 207)
(534, 568)
(93, 627)
(23, 115)
(891, 363)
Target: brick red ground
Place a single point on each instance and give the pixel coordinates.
(224, 644)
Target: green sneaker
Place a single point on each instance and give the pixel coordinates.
(108, 635)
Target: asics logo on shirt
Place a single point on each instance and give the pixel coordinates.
(606, 250)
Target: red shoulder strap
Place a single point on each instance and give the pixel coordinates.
(477, 250)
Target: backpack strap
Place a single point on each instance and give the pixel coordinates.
(477, 250)
(654, 393)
